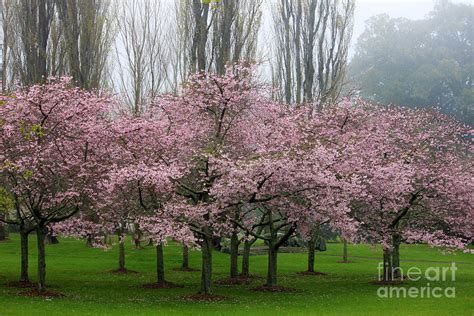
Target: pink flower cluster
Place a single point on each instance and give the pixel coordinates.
(183, 168)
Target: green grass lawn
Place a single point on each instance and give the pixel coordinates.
(81, 274)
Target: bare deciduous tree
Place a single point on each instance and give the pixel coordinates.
(33, 22)
(312, 41)
(217, 33)
(141, 54)
(87, 32)
(6, 19)
(57, 37)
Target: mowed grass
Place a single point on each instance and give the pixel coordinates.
(82, 275)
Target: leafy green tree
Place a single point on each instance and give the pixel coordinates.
(423, 63)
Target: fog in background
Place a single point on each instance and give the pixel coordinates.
(164, 24)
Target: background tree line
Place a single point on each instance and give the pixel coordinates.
(422, 63)
(142, 47)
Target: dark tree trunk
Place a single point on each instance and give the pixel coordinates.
(272, 265)
(206, 273)
(344, 252)
(216, 243)
(89, 241)
(137, 237)
(274, 244)
(185, 263)
(137, 243)
(41, 235)
(387, 265)
(246, 258)
(198, 56)
(288, 82)
(35, 29)
(51, 239)
(228, 11)
(24, 256)
(160, 265)
(311, 251)
(297, 39)
(3, 231)
(121, 251)
(396, 240)
(234, 255)
(108, 239)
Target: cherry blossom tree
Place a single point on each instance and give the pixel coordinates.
(53, 142)
(146, 162)
(289, 193)
(210, 113)
(262, 160)
(416, 171)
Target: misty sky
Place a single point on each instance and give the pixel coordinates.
(411, 9)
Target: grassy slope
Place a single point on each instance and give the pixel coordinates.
(81, 274)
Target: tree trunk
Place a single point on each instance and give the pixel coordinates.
(246, 258)
(198, 56)
(287, 59)
(206, 272)
(24, 257)
(185, 263)
(160, 265)
(228, 12)
(41, 235)
(137, 237)
(121, 251)
(387, 265)
(137, 243)
(311, 251)
(272, 265)
(297, 39)
(344, 252)
(216, 243)
(6, 42)
(51, 239)
(396, 256)
(89, 241)
(3, 231)
(234, 255)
